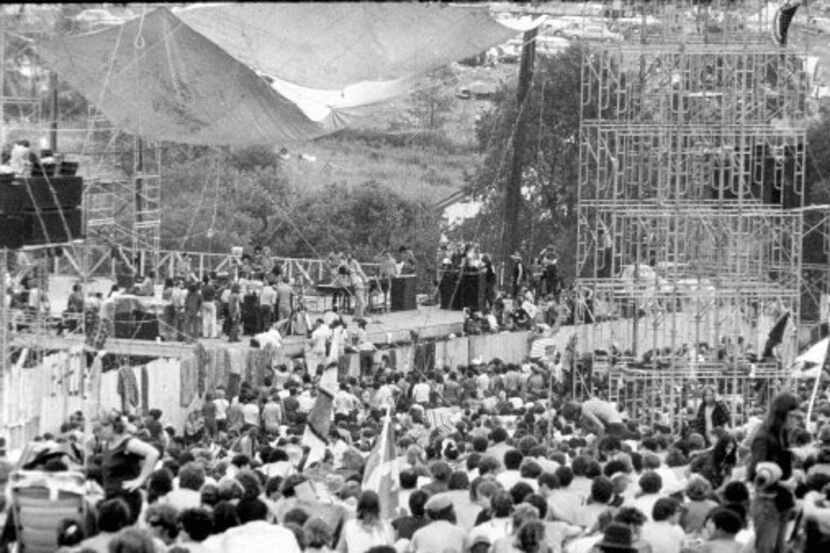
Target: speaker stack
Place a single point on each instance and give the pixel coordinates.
(468, 293)
(402, 294)
(40, 209)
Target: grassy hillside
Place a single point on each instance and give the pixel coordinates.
(416, 165)
(388, 144)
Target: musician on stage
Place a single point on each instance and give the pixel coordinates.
(359, 282)
(387, 270)
(520, 274)
(550, 272)
(407, 265)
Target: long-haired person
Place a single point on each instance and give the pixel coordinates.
(770, 469)
(366, 530)
(712, 416)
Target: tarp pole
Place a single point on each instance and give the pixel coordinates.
(513, 191)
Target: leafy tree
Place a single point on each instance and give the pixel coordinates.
(548, 211)
(432, 104)
(229, 199)
(817, 170)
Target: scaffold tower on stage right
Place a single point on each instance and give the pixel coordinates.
(691, 180)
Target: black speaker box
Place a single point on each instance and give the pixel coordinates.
(13, 197)
(51, 226)
(12, 234)
(447, 291)
(65, 192)
(402, 294)
(472, 291)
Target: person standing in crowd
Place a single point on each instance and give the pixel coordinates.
(209, 307)
(367, 529)
(770, 469)
(209, 415)
(712, 416)
(337, 345)
(315, 350)
(113, 516)
(441, 533)
(126, 463)
(272, 414)
(222, 405)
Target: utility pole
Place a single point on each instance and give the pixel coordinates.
(53, 112)
(5, 371)
(513, 190)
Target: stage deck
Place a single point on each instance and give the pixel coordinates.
(428, 322)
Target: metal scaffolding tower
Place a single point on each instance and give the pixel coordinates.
(692, 152)
(122, 178)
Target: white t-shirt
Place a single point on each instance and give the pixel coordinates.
(483, 382)
(221, 408)
(663, 537)
(420, 392)
(268, 296)
(509, 478)
(329, 317)
(306, 401)
(338, 343)
(605, 411)
(270, 337)
(318, 339)
(250, 413)
(494, 529)
(344, 402)
(359, 539)
(259, 536)
(645, 503)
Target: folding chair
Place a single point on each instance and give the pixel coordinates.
(39, 502)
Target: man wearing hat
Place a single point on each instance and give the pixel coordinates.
(441, 534)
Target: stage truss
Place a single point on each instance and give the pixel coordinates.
(666, 395)
(122, 179)
(691, 184)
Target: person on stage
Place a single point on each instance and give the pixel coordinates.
(406, 265)
(387, 270)
(520, 275)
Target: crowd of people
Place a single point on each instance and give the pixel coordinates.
(514, 465)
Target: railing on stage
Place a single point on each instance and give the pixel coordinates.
(664, 394)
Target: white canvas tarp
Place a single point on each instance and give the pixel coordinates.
(329, 46)
(156, 77)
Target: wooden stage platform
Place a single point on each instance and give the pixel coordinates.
(427, 321)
